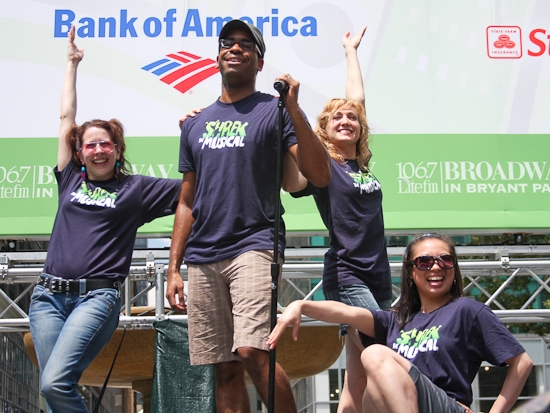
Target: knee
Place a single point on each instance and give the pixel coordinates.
(228, 372)
(255, 361)
(50, 387)
(46, 387)
(248, 354)
(253, 358)
(373, 356)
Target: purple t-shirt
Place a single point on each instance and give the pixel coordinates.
(351, 209)
(232, 150)
(449, 344)
(95, 227)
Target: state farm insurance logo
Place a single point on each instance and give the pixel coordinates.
(504, 42)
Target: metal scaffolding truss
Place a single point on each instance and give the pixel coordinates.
(302, 271)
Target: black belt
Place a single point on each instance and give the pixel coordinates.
(61, 285)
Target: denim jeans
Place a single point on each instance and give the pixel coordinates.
(69, 331)
(356, 295)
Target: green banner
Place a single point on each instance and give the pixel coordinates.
(28, 190)
(430, 182)
(456, 182)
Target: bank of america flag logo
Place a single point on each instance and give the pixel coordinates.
(182, 70)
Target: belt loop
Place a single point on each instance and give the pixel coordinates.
(82, 285)
(47, 280)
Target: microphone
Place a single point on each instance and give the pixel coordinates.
(281, 86)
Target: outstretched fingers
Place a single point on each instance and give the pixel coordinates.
(284, 321)
(354, 41)
(274, 337)
(73, 52)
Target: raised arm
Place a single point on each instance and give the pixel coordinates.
(519, 368)
(354, 82)
(293, 178)
(327, 311)
(309, 154)
(68, 100)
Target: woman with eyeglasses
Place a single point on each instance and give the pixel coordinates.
(356, 270)
(430, 345)
(76, 304)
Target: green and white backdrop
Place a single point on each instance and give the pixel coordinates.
(457, 97)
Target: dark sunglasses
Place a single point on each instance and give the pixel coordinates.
(426, 262)
(106, 146)
(245, 45)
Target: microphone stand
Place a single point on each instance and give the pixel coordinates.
(275, 266)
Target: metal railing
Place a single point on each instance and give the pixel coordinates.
(302, 272)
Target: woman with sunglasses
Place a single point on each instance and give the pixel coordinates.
(356, 270)
(429, 347)
(75, 306)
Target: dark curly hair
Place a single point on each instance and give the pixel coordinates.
(116, 132)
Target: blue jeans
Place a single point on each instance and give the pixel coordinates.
(356, 295)
(69, 331)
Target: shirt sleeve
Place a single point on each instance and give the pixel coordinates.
(491, 340)
(308, 190)
(382, 321)
(186, 160)
(159, 197)
(64, 177)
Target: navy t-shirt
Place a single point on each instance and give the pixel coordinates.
(95, 227)
(232, 150)
(351, 209)
(449, 344)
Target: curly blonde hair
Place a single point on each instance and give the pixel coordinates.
(362, 146)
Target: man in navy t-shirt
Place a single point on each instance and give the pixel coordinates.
(224, 224)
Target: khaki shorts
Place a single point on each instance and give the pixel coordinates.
(229, 306)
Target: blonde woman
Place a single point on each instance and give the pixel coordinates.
(356, 270)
